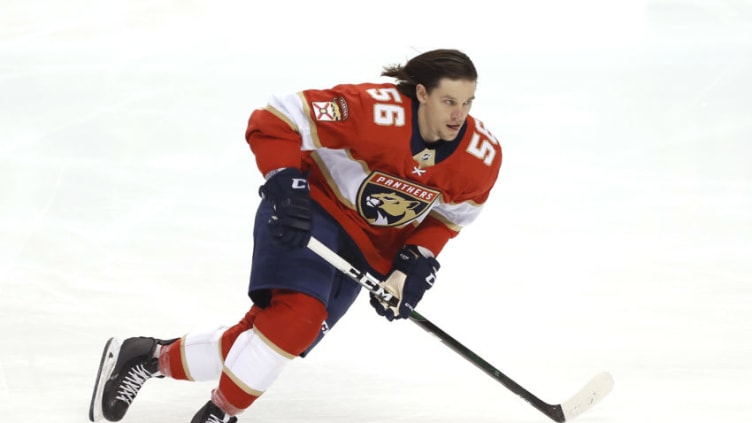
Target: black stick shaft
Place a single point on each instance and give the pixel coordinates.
(554, 412)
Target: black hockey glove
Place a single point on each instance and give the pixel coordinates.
(288, 192)
(412, 274)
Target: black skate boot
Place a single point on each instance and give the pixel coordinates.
(210, 413)
(124, 368)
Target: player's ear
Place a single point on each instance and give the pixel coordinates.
(421, 93)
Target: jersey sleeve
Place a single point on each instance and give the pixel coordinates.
(444, 223)
(274, 140)
(290, 125)
(432, 234)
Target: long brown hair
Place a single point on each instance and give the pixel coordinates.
(429, 68)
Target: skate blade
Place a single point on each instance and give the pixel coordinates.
(109, 358)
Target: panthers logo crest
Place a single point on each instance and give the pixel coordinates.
(385, 200)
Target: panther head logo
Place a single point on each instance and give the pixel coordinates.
(390, 209)
(384, 200)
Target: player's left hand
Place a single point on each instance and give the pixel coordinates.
(293, 209)
(413, 273)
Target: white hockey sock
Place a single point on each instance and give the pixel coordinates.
(254, 363)
(202, 354)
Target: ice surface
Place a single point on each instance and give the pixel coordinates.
(619, 236)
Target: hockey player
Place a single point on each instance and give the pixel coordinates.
(382, 173)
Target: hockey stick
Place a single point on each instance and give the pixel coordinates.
(597, 388)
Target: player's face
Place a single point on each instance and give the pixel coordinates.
(443, 111)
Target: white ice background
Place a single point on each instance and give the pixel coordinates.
(618, 238)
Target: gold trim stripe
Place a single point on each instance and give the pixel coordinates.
(184, 360)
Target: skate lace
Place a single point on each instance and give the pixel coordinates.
(132, 382)
(214, 419)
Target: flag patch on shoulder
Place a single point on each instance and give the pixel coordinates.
(330, 111)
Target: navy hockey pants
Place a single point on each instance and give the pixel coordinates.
(300, 269)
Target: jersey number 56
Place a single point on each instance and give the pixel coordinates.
(390, 112)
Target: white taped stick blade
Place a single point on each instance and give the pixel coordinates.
(589, 395)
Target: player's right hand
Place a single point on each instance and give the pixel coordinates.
(290, 225)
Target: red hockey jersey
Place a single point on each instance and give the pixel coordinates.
(355, 140)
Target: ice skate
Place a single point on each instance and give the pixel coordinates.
(124, 368)
(210, 413)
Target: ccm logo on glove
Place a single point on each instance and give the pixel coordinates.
(299, 183)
